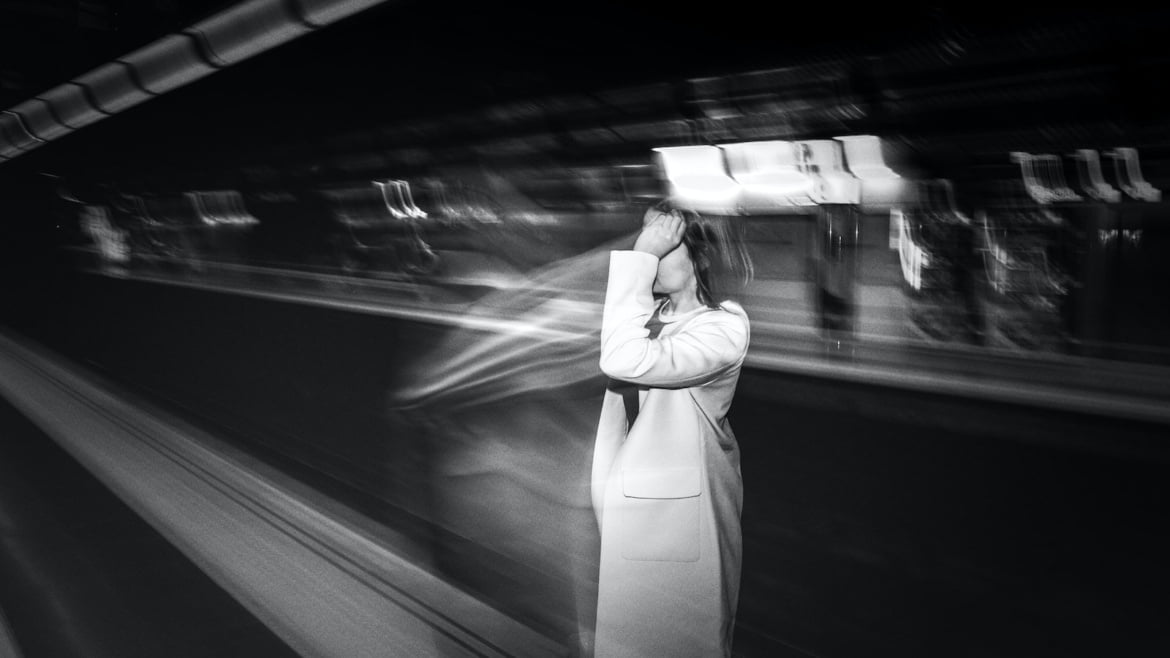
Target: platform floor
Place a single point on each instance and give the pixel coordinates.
(82, 575)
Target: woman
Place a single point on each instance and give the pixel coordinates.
(666, 480)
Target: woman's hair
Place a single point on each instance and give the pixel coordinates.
(718, 250)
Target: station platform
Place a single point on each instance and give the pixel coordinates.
(82, 574)
(893, 506)
(127, 532)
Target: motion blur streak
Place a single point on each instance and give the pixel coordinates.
(513, 417)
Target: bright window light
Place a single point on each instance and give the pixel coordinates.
(698, 177)
(826, 164)
(863, 156)
(768, 168)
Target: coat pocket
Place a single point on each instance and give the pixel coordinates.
(659, 517)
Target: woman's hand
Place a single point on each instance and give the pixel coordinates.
(661, 235)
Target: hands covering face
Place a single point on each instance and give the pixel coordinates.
(661, 235)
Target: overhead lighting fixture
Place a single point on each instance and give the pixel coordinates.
(699, 179)
(771, 175)
(832, 183)
(864, 157)
(768, 167)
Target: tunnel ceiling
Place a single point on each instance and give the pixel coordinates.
(46, 42)
(409, 60)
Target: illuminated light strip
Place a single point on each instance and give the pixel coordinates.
(169, 63)
(41, 119)
(323, 12)
(227, 38)
(135, 79)
(298, 12)
(248, 29)
(52, 112)
(71, 106)
(8, 149)
(19, 121)
(90, 98)
(10, 132)
(112, 89)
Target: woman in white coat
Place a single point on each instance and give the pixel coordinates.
(666, 479)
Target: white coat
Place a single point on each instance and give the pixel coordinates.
(667, 491)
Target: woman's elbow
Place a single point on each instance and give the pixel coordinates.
(616, 367)
(610, 367)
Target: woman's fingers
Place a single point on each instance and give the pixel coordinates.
(672, 228)
(669, 223)
(676, 227)
(661, 234)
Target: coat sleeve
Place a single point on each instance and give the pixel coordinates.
(708, 346)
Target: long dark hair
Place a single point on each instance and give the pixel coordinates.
(718, 251)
